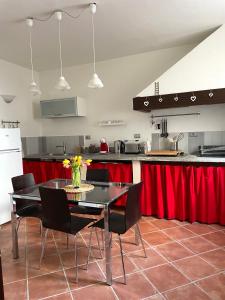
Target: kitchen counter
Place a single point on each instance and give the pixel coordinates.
(186, 158)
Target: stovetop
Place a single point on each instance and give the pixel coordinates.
(212, 150)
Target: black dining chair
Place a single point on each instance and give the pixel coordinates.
(56, 216)
(120, 222)
(25, 207)
(100, 175)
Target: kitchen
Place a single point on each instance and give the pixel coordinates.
(151, 68)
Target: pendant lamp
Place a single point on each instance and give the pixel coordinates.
(33, 88)
(95, 81)
(62, 84)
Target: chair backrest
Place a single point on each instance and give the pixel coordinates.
(132, 208)
(55, 210)
(21, 182)
(101, 175)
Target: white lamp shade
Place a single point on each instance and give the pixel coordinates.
(95, 82)
(62, 84)
(34, 89)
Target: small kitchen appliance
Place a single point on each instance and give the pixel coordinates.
(119, 146)
(132, 147)
(212, 151)
(104, 147)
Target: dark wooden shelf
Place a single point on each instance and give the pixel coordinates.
(149, 103)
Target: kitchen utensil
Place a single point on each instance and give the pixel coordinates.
(162, 128)
(165, 127)
(180, 136)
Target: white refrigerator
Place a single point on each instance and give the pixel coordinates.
(10, 166)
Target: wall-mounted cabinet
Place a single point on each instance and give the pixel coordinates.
(59, 108)
(206, 97)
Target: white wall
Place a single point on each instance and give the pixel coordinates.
(123, 79)
(203, 68)
(14, 80)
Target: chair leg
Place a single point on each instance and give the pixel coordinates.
(140, 237)
(41, 227)
(98, 242)
(43, 240)
(18, 224)
(67, 241)
(89, 247)
(121, 253)
(75, 254)
(103, 244)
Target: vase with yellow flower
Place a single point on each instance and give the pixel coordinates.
(75, 163)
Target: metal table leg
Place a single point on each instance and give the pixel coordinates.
(136, 235)
(108, 256)
(15, 248)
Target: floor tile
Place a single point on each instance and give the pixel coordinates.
(217, 238)
(117, 269)
(195, 267)
(97, 291)
(187, 292)
(137, 287)
(214, 286)
(199, 228)
(90, 276)
(165, 277)
(198, 244)
(217, 226)
(146, 227)
(156, 238)
(63, 296)
(15, 290)
(179, 233)
(47, 285)
(173, 251)
(129, 244)
(68, 258)
(155, 297)
(163, 224)
(215, 257)
(50, 263)
(153, 259)
(13, 271)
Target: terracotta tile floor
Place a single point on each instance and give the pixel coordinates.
(185, 261)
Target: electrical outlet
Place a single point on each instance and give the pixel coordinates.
(193, 134)
(137, 136)
(87, 137)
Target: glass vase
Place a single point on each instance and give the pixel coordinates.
(76, 177)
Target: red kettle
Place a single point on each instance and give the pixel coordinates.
(104, 147)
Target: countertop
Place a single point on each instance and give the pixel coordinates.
(186, 158)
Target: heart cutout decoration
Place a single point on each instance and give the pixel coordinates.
(146, 103)
(211, 95)
(176, 98)
(193, 98)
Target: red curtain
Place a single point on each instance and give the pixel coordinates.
(193, 193)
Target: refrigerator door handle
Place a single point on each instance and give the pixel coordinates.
(10, 150)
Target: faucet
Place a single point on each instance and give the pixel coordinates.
(62, 146)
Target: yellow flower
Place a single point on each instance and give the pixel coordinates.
(66, 163)
(88, 162)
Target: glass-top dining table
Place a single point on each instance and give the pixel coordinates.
(103, 194)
